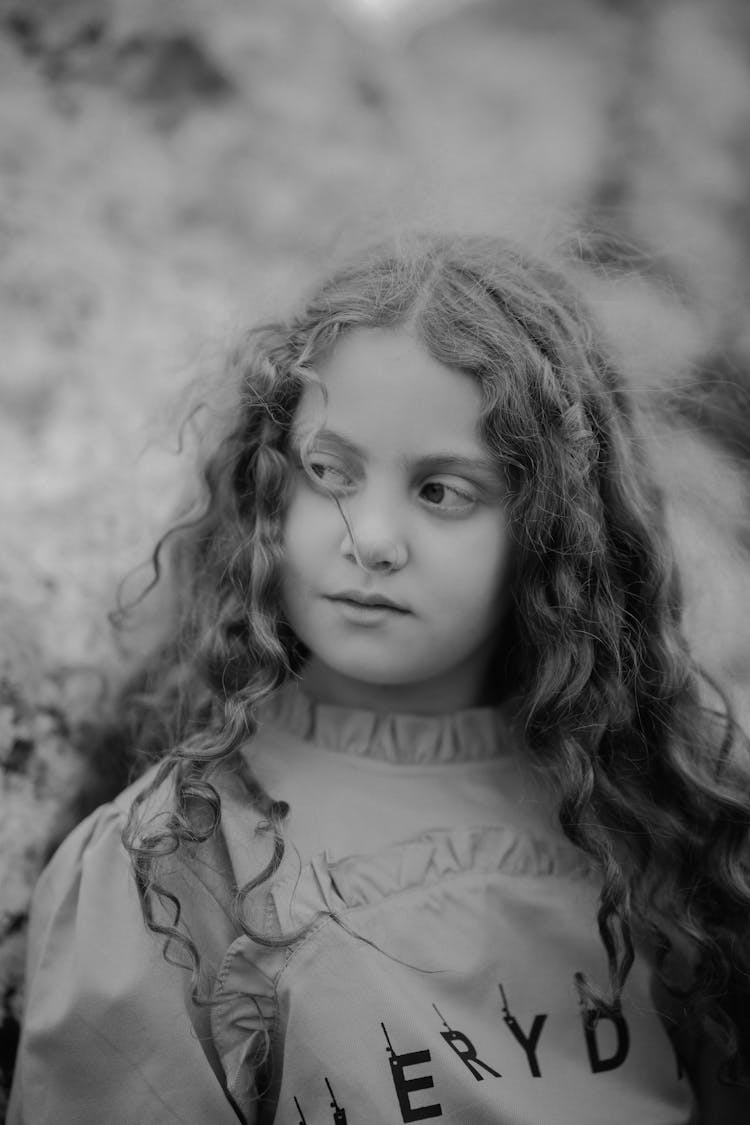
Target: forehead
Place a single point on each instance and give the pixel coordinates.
(383, 389)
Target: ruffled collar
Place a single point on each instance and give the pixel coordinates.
(473, 735)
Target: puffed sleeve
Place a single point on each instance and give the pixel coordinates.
(719, 1102)
(108, 1035)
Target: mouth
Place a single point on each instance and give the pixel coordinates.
(367, 601)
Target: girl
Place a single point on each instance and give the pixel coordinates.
(445, 825)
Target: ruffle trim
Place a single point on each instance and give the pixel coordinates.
(436, 856)
(475, 734)
(245, 1012)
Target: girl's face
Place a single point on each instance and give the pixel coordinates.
(401, 609)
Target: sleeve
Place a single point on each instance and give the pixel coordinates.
(107, 1033)
(718, 1102)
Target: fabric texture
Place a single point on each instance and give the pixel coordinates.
(417, 956)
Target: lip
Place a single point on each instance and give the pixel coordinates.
(366, 601)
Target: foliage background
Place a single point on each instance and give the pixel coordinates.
(171, 171)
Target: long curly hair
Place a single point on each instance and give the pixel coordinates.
(650, 771)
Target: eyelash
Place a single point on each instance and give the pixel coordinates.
(344, 483)
(340, 487)
(469, 500)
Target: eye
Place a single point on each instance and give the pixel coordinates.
(447, 497)
(329, 475)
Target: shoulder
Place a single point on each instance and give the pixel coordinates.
(103, 999)
(102, 829)
(88, 899)
(92, 855)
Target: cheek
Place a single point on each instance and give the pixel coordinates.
(311, 535)
(295, 588)
(476, 572)
(293, 553)
(291, 534)
(301, 526)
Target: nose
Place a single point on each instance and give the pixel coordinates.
(372, 540)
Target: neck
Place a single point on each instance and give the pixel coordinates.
(443, 695)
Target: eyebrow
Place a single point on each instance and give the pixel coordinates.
(301, 440)
(430, 461)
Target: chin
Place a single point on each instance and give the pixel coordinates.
(379, 676)
(384, 674)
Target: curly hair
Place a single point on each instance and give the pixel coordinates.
(649, 768)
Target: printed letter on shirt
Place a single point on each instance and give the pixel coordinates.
(405, 1087)
(465, 1049)
(528, 1042)
(593, 1021)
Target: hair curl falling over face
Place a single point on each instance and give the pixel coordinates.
(652, 785)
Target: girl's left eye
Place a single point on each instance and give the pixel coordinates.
(446, 497)
(332, 477)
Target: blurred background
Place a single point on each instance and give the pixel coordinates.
(172, 171)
